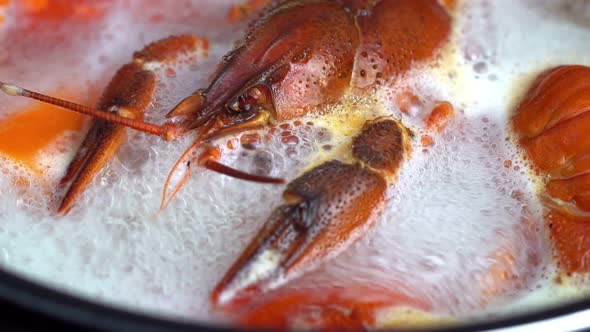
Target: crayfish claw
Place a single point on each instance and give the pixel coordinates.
(126, 97)
(98, 148)
(104, 138)
(326, 209)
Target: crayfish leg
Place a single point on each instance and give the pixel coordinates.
(128, 95)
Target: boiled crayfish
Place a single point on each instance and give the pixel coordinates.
(298, 57)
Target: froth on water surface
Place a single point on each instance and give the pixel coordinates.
(462, 230)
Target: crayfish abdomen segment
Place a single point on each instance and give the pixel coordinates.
(552, 124)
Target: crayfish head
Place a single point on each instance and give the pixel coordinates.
(291, 62)
(251, 108)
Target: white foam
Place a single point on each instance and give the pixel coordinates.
(454, 208)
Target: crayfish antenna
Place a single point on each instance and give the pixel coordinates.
(226, 170)
(114, 115)
(183, 160)
(208, 163)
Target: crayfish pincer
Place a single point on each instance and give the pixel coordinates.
(298, 58)
(324, 210)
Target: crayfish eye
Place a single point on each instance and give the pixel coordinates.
(249, 101)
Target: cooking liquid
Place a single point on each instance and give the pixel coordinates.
(462, 234)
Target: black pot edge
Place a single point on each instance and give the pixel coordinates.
(31, 303)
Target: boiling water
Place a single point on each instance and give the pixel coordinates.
(462, 230)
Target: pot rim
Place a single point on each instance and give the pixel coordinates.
(82, 313)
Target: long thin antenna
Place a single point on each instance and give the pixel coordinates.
(150, 128)
(229, 171)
